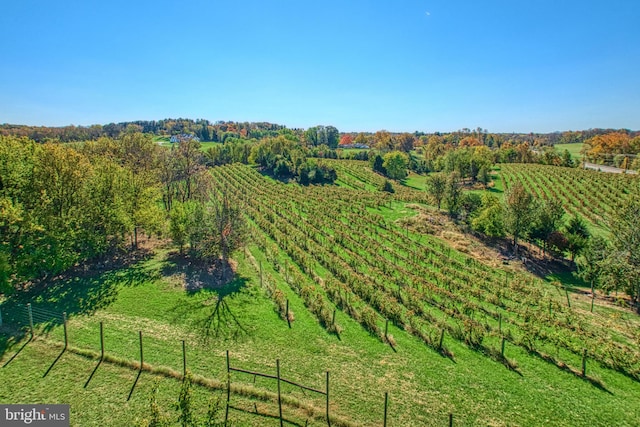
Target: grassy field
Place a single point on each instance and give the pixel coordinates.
(148, 294)
(574, 149)
(424, 387)
(164, 141)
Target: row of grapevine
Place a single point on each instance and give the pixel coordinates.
(346, 256)
(591, 194)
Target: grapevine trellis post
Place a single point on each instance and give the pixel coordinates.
(287, 314)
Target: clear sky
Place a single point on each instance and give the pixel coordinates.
(400, 65)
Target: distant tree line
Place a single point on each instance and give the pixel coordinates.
(204, 129)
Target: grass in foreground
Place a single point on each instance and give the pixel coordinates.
(424, 387)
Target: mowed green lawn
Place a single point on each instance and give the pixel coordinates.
(574, 149)
(423, 386)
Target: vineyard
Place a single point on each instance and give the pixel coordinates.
(590, 194)
(330, 280)
(356, 174)
(338, 252)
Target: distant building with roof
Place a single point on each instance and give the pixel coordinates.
(183, 137)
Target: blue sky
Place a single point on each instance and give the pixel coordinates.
(399, 65)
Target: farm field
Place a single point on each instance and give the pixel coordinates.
(440, 352)
(590, 194)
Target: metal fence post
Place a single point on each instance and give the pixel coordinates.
(226, 412)
(101, 341)
(141, 354)
(30, 317)
(64, 325)
(0, 317)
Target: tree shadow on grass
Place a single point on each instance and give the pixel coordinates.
(82, 290)
(209, 287)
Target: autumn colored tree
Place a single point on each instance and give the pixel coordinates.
(405, 142)
(383, 141)
(602, 148)
(362, 139)
(346, 139)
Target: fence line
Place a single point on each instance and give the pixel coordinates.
(279, 379)
(27, 314)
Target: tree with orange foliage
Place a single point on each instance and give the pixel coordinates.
(346, 139)
(602, 148)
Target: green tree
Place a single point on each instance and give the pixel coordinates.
(376, 162)
(180, 223)
(386, 186)
(141, 194)
(395, 163)
(483, 176)
(105, 218)
(567, 161)
(470, 204)
(436, 186)
(490, 219)
(214, 229)
(577, 234)
(547, 219)
(593, 264)
(188, 162)
(625, 239)
(518, 213)
(453, 194)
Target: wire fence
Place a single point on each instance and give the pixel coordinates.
(19, 320)
(29, 318)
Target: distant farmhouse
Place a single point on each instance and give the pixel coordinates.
(184, 137)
